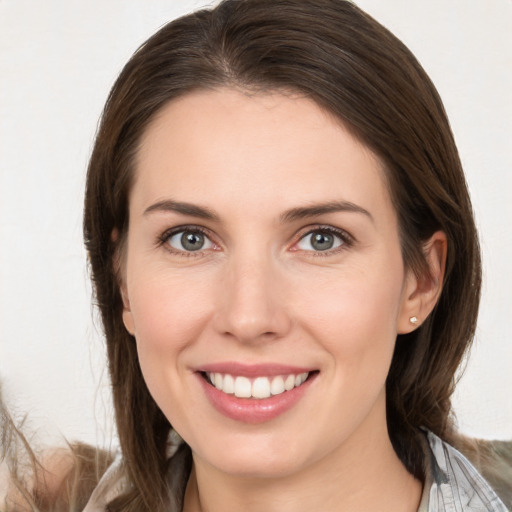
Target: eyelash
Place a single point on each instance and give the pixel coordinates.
(163, 240)
(347, 240)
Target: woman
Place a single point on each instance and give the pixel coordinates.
(284, 255)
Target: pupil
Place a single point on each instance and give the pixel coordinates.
(192, 241)
(322, 241)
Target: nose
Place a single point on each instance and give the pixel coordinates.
(252, 306)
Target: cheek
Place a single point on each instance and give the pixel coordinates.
(169, 313)
(167, 305)
(355, 313)
(169, 316)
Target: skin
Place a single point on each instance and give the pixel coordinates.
(55, 465)
(259, 292)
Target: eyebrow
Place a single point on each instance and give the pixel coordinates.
(315, 210)
(294, 214)
(168, 205)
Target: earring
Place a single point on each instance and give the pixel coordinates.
(413, 320)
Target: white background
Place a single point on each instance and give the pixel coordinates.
(58, 59)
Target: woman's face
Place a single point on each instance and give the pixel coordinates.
(263, 249)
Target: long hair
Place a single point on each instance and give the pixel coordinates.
(335, 54)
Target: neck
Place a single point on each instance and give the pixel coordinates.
(363, 474)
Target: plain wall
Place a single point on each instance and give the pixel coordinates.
(58, 60)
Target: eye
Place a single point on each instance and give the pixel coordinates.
(322, 239)
(189, 240)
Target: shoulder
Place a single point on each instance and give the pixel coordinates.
(115, 486)
(493, 460)
(454, 483)
(113, 483)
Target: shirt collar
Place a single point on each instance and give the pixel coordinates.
(452, 484)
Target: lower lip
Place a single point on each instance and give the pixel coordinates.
(252, 410)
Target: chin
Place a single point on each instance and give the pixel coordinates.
(264, 455)
(260, 467)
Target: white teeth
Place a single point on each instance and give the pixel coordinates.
(277, 386)
(259, 388)
(229, 385)
(242, 387)
(289, 383)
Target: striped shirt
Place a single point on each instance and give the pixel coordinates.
(452, 483)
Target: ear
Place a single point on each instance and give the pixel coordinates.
(127, 312)
(422, 292)
(120, 271)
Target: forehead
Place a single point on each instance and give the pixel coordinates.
(227, 146)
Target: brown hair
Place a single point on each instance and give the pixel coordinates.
(332, 52)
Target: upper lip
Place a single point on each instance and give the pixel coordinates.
(253, 370)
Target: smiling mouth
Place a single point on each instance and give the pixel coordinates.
(258, 387)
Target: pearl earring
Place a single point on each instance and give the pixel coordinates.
(413, 320)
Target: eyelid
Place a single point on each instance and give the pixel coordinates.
(347, 239)
(163, 239)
